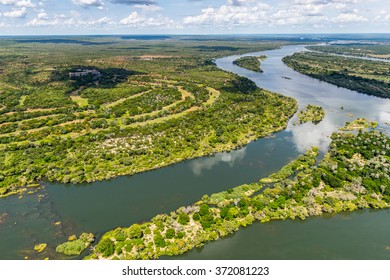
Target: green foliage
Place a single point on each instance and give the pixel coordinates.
(311, 113)
(368, 77)
(204, 210)
(170, 233)
(344, 180)
(105, 247)
(183, 218)
(159, 240)
(135, 231)
(75, 246)
(249, 62)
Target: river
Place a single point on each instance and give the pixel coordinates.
(101, 206)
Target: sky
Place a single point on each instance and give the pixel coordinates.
(62, 17)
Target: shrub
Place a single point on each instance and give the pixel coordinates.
(159, 240)
(170, 233)
(106, 247)
(183, 219)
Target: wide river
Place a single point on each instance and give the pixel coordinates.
(101, 206)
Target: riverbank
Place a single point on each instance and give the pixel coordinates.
(368, 77)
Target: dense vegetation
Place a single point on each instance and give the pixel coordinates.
(368, 77)
(311, 113)
(74, 245)
(353, 174)
(152, 105)
(249, 62)
(369, 50)
(357, 124)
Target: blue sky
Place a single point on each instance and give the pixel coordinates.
(38, 17)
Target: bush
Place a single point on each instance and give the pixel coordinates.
(159, 240)
(135, 231)
(106, 247)
(204, 210)
(170, 233)
(183, 219)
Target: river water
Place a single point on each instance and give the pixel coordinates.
(101, 206)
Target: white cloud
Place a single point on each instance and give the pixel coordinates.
(75, 21)
(42, 15)
(138, 21)
(148, 8)
(89, 3)
(234, 13)
(16, 13)
(348, 17)
(18, 3)
(299, 13)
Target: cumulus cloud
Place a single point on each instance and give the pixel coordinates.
(42, 15)
(64, 21)
(315, 13)
(235, 13)
(348, 17)
(89, 3)
(133, 2)
(138, 21)
(18, 3)
(148, 8)
(21, 13)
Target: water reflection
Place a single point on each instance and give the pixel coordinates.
(208, 163)
(307, 135)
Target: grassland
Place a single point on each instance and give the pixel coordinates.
(152, 104)
(368, 77)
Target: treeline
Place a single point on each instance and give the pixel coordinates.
(368, 77)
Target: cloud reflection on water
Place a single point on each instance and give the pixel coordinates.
(230, 158)
(307, 135)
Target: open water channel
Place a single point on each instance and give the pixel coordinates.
(101, 206)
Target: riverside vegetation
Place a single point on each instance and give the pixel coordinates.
(375, 51)
(97, 108)
(368, 77)
(353, 174)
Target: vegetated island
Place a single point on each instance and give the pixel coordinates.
(311, 113)
(250, 62)
(357, 124)
(365, 76)
(354, 174)
(74, 245)
(102, 114)
(363, 50)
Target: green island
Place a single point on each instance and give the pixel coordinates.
(311, 113)
(365, 76)
(74, 245)
(357, 124)
(364, 50)
(104, 107)
(353, 174)
(249, 62)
